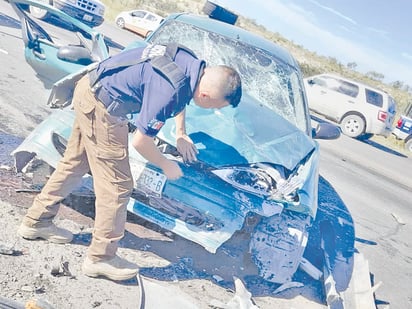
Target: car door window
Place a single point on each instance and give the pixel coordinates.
(151, 18)
(138, 14)
(373, 97)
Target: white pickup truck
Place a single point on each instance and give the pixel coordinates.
(91, 12)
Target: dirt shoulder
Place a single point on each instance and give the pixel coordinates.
(175, 273)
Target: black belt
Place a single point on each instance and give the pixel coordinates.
(114, 107)
(103, 96)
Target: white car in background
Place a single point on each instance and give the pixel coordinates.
(361, 110)
(139, 21)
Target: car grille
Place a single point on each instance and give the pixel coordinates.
(180, 211)
(87, 6)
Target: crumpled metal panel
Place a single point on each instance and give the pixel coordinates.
(277, 246)
(39, 141)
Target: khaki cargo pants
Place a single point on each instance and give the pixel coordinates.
(98, 143)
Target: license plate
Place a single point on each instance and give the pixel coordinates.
(151, 180)
(87, 17)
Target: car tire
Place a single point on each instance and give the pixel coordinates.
(39, 13)
(120, 22)
(217, 12)
(408, 144)
(353, 125)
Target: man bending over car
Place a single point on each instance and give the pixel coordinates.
(156, 83)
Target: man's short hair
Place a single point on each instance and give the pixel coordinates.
(232, 90)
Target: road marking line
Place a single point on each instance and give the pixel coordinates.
(4, 51)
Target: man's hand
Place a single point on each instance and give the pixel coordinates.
(184, 143)
(171, 169)
(186, 148)
(145, 146)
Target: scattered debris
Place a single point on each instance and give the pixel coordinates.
(6, 167)
(332, 295)
(38, 304)
(169, 234)
(360, 293)
(28, 190)
(288, 285)
(61, 269)
(398, 219)
(310, 269)
(333, 298)
(217, 278)
(27, 288)
(241, 300)
(8, 250)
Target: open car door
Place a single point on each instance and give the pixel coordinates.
(65, 47)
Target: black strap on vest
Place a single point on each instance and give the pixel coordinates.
(163, 64)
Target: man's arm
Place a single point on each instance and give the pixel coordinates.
(184, 143)
(144, 144)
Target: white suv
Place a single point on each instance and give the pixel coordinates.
(360, 110)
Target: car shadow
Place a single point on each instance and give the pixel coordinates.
(364, 139)
(331, 239)
(382, 147)
(7, 21)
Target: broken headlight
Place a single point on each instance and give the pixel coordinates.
(273, 182)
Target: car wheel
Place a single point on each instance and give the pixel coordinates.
(38, 12)
(120, 22)
(353, 125)
(408, 145)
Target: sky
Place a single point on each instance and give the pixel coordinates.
(375, 34)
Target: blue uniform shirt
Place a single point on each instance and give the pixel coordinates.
(142, 85)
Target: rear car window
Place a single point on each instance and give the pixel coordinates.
(373, 97)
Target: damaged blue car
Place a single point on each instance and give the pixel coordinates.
(257, 161)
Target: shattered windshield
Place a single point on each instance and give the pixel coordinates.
(264, 77)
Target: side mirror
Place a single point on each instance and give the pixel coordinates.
(326, 130)
(311, 82)
(75, 54)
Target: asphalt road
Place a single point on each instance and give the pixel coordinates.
(375, 185)
(374, 182)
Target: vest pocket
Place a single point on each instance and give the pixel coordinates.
(86, 106)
